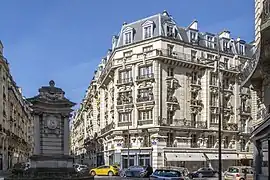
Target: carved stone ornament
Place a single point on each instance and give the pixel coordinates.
(52, 122)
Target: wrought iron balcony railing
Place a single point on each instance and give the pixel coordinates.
(145, 98)
(125, 81)
(108, 128)
(189, 123)
(145, 76)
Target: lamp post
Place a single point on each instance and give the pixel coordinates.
(126, 98)
(220, 110)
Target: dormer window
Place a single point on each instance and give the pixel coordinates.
(193, 36)
(209, 41)
(128, 37)
(241, 49)
(148, 28)
(169, 31)
(225, 46)
(147, 32)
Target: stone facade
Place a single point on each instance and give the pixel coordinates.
(259, 81)
(16, 124)
(51, 112)
(154, 98)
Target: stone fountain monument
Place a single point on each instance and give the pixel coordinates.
(51, 159)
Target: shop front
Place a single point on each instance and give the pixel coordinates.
(228, 159)
(136, 157)
(191, 161)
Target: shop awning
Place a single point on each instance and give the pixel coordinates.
(223, 156)
(185, 157)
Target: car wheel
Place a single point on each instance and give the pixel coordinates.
(200, 175)
(110, 173)
(93, 173)
(122, 174)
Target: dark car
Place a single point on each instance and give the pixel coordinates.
(203, 172)
(167, 174)
(134, 171)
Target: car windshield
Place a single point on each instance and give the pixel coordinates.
(233, 170)
(115, 167)
(167, 173)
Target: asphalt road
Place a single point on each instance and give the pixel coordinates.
(120, 178)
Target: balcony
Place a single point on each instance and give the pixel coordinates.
(145, 122)
(126, 81)
(189, 124)
(148, 98)
(245, 130)
(196, 102)
(107, 128)
(145, 77)
(121, 101)
(124, 124)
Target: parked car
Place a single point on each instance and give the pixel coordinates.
(136, 171)
(239, 173)
(104, 170)
(167, 174)
(203, 172)
(79, 168)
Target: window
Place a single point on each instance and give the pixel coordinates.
(194, 78)
(145, 71)
(225, 45)
(210, 57)
(242, 49)
(170, 71)
(213, 100)
(169, 31)
(145, 95)
(193, 36)
(128, 38)
(193, 55)
(125, 76)
(170, 117)
(226, 83)
(170, 49)
(209, 41)
(193, 119)
(226, 142)
(213, 79)
(147, 32)
(125, 117)
(124, 98)
(146, 115)
(194, 140)
(226, 63)
(211, 141)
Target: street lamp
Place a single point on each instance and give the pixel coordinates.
(124, 98)
(220, 109)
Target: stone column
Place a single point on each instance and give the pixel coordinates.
(66, 134)
(37, 134)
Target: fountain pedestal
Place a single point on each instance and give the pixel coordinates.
(51, 113)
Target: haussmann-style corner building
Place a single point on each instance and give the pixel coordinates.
(257, 76)
(154, 99)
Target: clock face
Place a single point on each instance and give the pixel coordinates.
(52, 123)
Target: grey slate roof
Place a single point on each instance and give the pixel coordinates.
(160, 23)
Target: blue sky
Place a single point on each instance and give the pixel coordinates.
(64, 40)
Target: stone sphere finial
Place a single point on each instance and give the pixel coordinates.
(52, 83)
